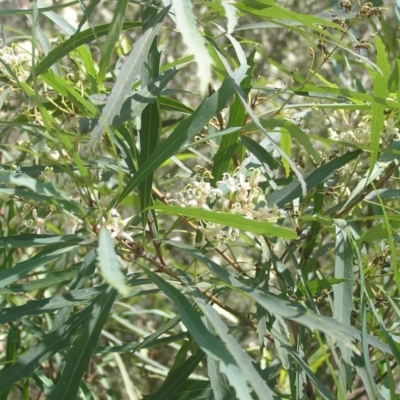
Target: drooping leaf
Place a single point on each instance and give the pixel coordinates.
(243, 361)
(185, 21)
(109, 265)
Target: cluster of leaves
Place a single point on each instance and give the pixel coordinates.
(110, 290)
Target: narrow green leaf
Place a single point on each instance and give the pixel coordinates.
(191, 318)
(55, 303)
(243, 361)
(176, 378)
(186, 22)
(109, 265)
(343, 292)
(45, 44)
(286, 146)
(316, 286)
(194, 390)
(259, 152)
(219, 382)
(167, 104)
(129, 72)
(51, 279)
(295, 132)
(37, 186)
(288, 309)
(71, 206)
(61, 86)
(237, 117)
(28, 11)
(232, 220)
(293, 190)
(150, 126)
(186, 130)
(76, 40)
(12, 350)
(381, 79)
(209, 343)
(34, 240)
(325, 393)
(52, 343)
(78, 357)
(22, 269)
(269, 10)
(135, 104)
(112, 38)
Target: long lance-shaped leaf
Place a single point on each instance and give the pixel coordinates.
(129, 72)
(232, 220)
(176, 378)
(343, 292)
(52, 343)
(53, 278)
(286, 308)
(293, 190)
(78, 358)
(112, 38)
(76, 40)
(209, 343)
(135, 104)
(244, 362)
(186, 130)
(36, 307)
(29, 11)
(109, 265)
(237, 117)
(150, 127)
(186, 23)
(381, 79)
(35, 240)
(22, 269)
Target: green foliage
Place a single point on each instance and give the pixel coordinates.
(199, 200)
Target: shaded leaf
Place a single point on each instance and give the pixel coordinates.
(78, 357)
(52, 343)
(293, 190)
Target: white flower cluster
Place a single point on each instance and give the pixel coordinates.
(116, 226)
(14, 60)
(391, 129)
(236, 194)
(361, 135)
